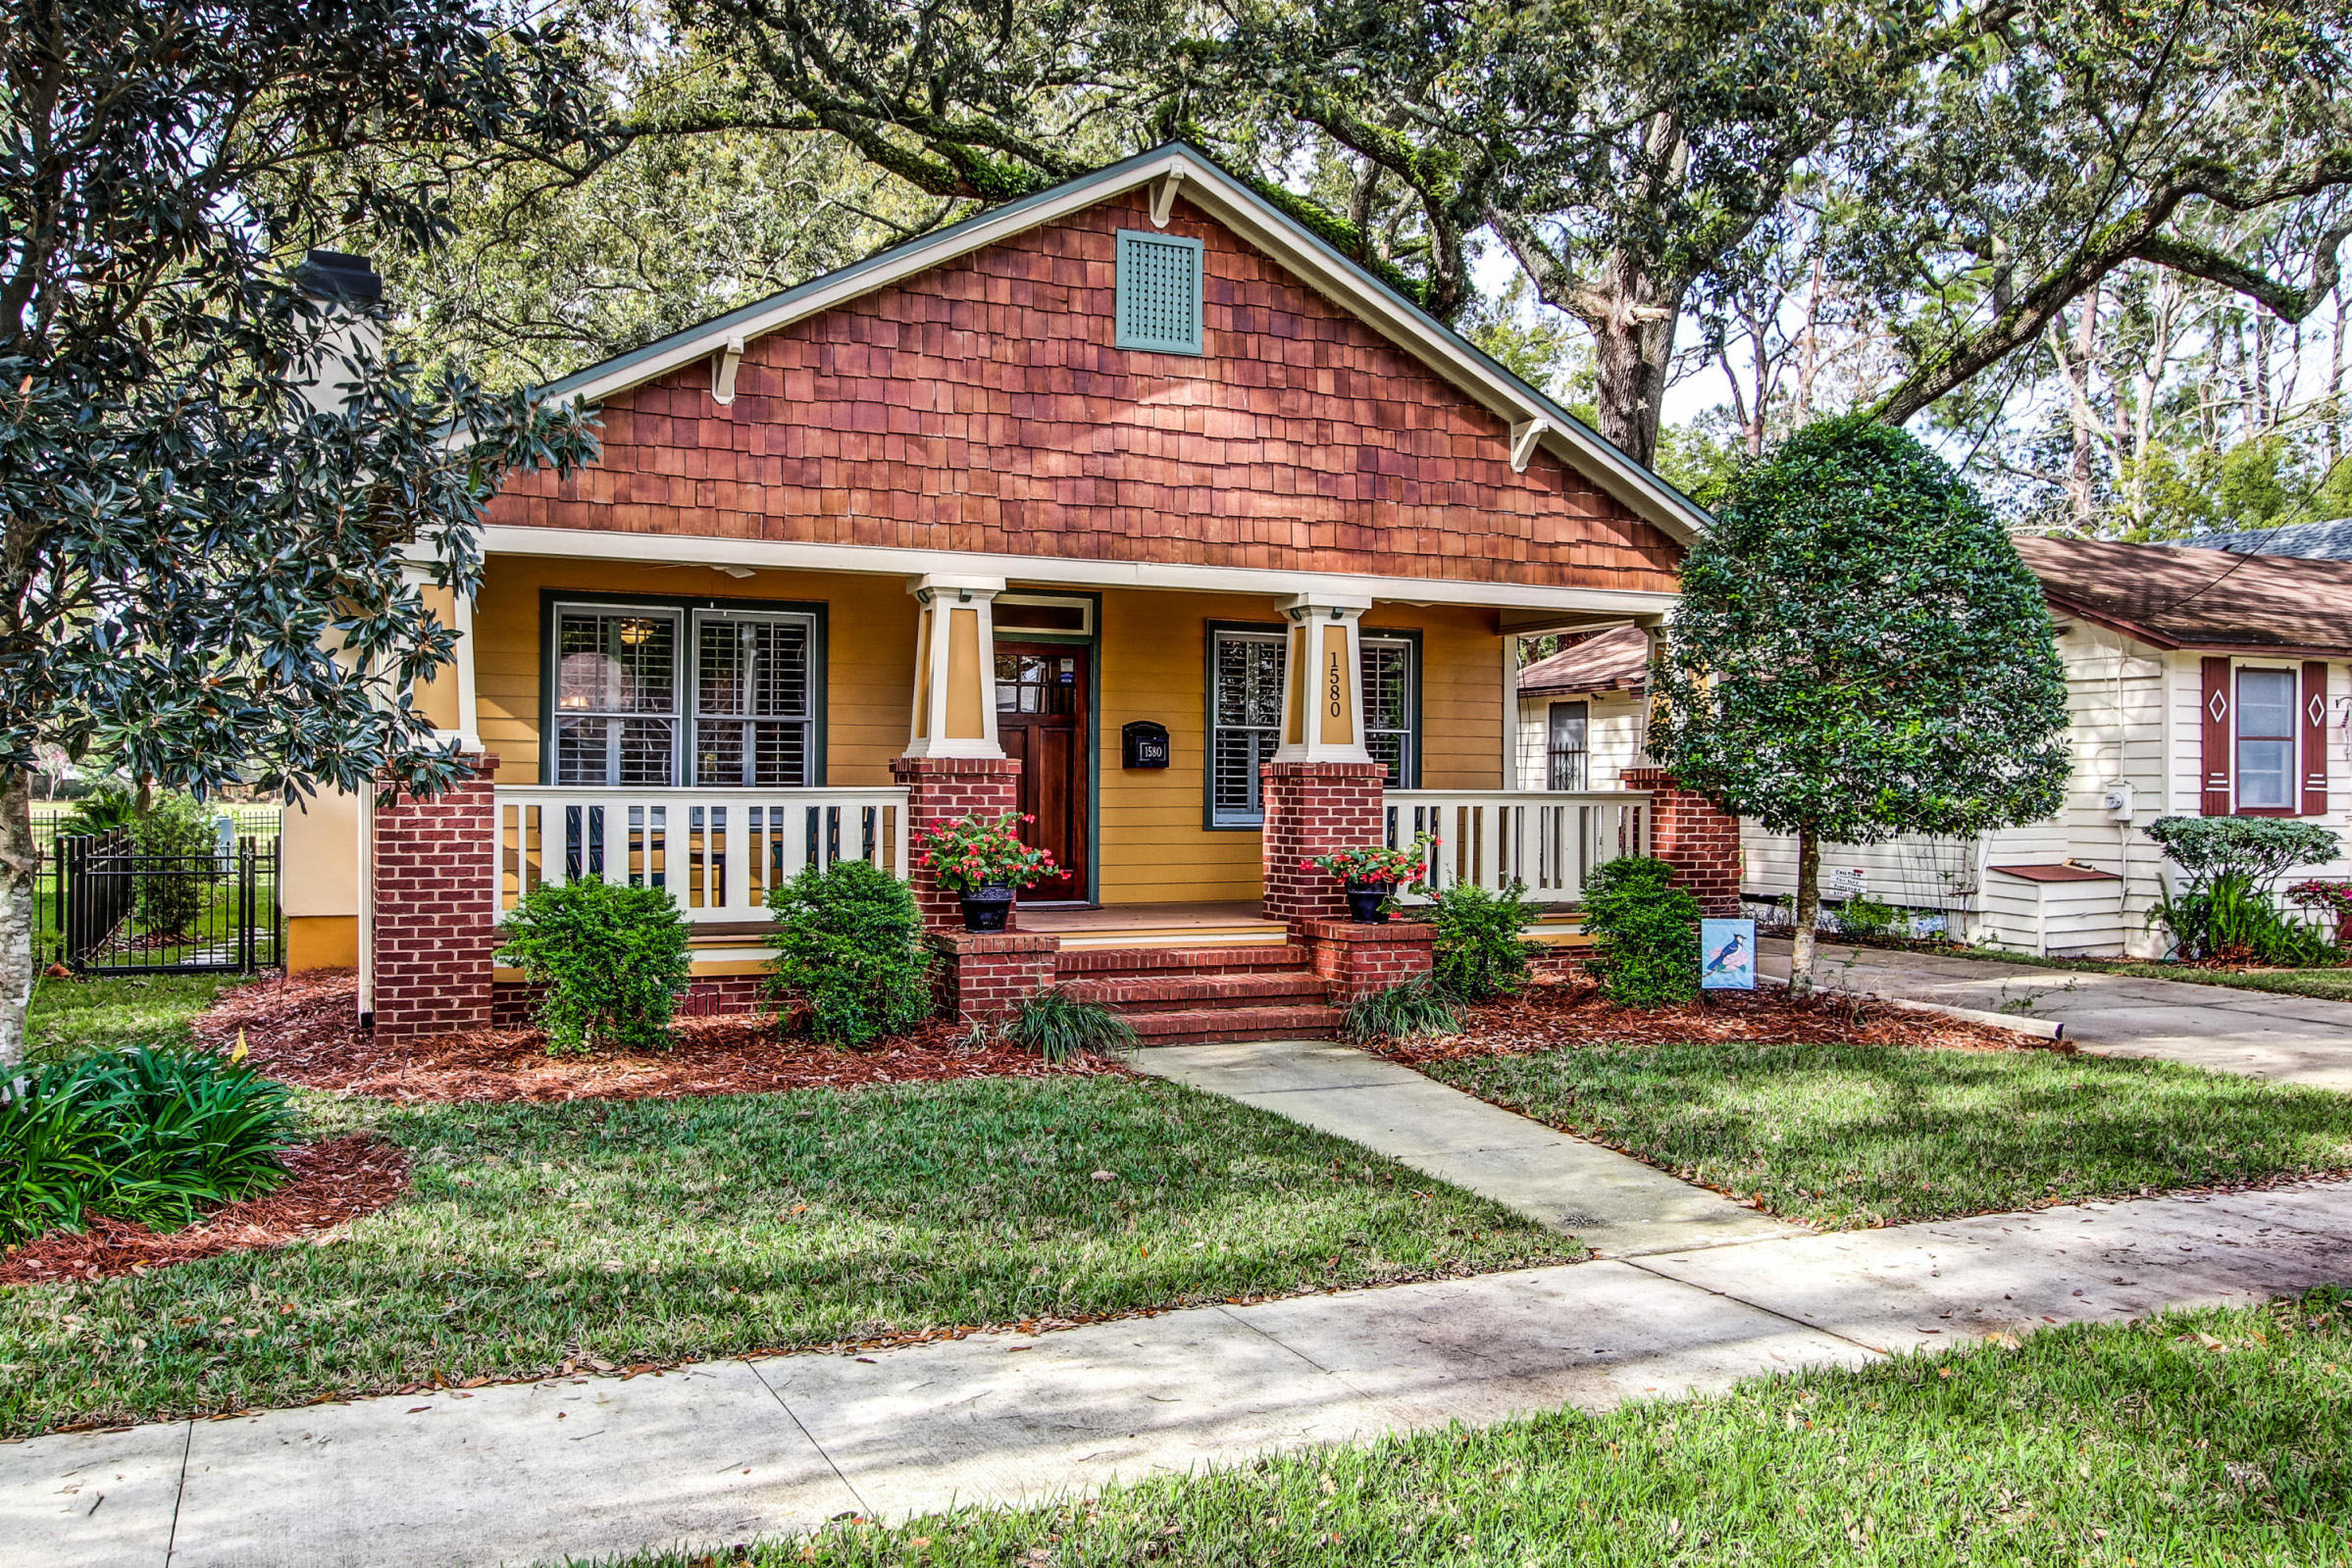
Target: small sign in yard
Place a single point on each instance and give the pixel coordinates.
(1727, 954)
(1849, 881)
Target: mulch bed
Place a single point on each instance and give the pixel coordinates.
(1571, 1013)
(299, 1030)
(326, 1184)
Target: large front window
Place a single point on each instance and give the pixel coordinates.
(631, 711)
(2265, 739)
(1245, 715)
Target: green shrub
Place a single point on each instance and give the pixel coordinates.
(1059, 1026)
(1411, 1007)
(170, 902)
(612, 958)
(2258, 851)
(1868, 919)
(157, 1136)
(850, 944)
(2232, 921)
(109, 806)
(1645, 931)
(1479, 952)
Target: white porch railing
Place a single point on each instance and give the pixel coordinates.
(717, 851)
(1549, 841)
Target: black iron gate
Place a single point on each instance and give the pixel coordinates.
(122, 911)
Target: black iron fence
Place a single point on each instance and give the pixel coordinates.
(118, 910)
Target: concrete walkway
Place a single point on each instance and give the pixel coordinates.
(2293, 1039)
(731, 1449)
(1610, 1201)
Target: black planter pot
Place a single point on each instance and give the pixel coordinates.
(1366, 901)
(985, 908)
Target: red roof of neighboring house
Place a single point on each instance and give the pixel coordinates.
(2182, 598)
(1608, 660)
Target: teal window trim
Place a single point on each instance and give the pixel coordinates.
(1168, 325)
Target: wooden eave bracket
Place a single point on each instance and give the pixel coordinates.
(1163, 197)
(722, 371)
(1524, 436)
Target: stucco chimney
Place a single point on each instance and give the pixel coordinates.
(351, 290)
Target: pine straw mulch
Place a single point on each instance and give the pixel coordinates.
(1571, 1013)
(299, 1030)
(326, 1185)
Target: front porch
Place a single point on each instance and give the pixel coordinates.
(1181, 752)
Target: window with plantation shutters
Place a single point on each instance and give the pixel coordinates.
(1158, 292)
(1244, 715)
(616, 696)
(1245, 722)
(652, 697)
(752, 719)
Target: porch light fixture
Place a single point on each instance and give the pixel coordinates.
(739, 573)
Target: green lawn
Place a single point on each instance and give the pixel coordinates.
(633, 1231)
(2328, 985)
(2222, 1437)
(1858, 1135)
(72, 1018)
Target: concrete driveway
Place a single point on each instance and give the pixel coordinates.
(2292, 1039)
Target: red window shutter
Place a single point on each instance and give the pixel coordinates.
(2315, 737)
(2219, 708)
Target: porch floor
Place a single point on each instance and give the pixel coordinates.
(1234, 924)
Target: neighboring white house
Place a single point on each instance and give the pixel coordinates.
(2201, 682)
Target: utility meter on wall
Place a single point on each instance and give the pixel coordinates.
(2118, 801)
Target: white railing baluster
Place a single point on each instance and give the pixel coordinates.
(699, 843)
(1548, 839)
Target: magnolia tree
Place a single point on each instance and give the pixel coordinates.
(208, 489)
(1859, 652)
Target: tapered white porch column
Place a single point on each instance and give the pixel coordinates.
(955, 668)
(1322, 679)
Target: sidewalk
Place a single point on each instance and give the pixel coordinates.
(2290, 1039)
(731, 1449)
(1612, 1202)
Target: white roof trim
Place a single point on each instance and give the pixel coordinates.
(1248, 215)
(695, 549)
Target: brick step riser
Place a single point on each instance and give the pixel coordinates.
(1209, 990)
(1093, 963)
(1236, 1024)
(1133, 1008)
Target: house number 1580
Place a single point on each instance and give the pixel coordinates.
(1336, 688)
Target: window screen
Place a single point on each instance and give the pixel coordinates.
(1566, 745)
(1160, 292)
(752, 719)
(2265, 739)
(616, 696)
(1244, 715)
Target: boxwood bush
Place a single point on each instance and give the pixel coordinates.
(1645, 931)
(613, 960)
(1479, 953)
(850, 944)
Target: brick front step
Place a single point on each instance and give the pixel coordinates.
(1137, 994)
(1208, 1026)
(1091, 963)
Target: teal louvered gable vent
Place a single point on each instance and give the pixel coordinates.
(1160, 292)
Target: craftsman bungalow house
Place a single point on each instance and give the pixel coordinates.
(1131, 505)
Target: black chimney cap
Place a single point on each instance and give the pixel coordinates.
(332, 274)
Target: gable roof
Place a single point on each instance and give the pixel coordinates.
(2329, 540)
(1617, 660)
(2207, 599)
(1446, 353)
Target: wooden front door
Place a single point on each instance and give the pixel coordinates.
(1042, 720)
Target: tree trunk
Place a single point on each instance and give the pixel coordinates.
(1808, 909)
(20, 911)
(1633, 344)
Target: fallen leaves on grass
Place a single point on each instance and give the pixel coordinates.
(1573, 1013)
(326, 1185)
(302, 1030)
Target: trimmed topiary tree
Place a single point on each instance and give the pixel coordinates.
(1859, 652)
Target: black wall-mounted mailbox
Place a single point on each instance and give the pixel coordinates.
(1145, 745)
